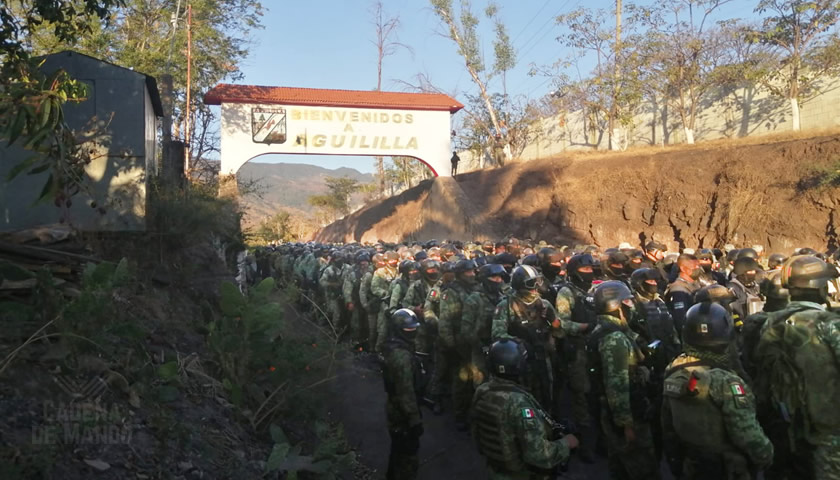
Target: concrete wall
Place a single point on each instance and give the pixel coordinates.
(724, 114)
(119, 123)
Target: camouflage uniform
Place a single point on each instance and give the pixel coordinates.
(431, 315)
(513, 432)
(358, 316)
(453, 343)
(415, 299)
(330, 283)
(532, 324)
(621, 388)
(399, 287)
(402, 374)
(708, 421)
(476, 325)
(371, 305)
(380, 288)
(573, 314)
(801, 414)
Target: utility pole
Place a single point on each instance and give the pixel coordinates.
(189, 84)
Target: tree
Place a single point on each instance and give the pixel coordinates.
(462, 30)
(800, 29)
(32, 103)
(336, 202)
(387, 44)
(682, 53)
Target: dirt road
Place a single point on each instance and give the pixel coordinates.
(359, 402)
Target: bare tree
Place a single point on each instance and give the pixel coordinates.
(387, 43)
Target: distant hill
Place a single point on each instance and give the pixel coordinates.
(288, 186)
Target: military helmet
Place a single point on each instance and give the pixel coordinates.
(420, 256)
(806, 251)
(618, 258)
(480, 261)
(491, 270)
(363, 256)
(430, 269)
(708, 326)
(379, 260)
(706, 254)
(771, 287)
(530, 260)
(731, 256)
(505, 258)
(579, 261)
(392, 257)
(464, 266)
(776, 260)
(609, 296)
(525, 277)
(745, 264)
(407, 266)
(548, 255)
(508, 358)
(714, 293)
(807, 272)
(405, 323)
(638, 278)
(747, 253)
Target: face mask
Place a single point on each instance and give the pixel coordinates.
(696, 273)
(409, 335)
(627, 311)
(528, 296)
(749, 278)
(468, 279)
(650, 289)
(414, 276)
(586, 277)
(433, 276)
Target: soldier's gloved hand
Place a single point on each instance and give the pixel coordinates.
(350, 307)
(629, 434)
(571, 441)
(416, 430)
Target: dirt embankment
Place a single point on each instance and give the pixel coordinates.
(700, 196)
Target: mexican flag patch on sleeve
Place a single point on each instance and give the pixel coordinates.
(527, 413)
(737, 389)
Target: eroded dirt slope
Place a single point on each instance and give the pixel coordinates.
(695, 197)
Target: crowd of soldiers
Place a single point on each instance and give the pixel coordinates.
(722, 362)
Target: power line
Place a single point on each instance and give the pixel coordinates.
(531, 21)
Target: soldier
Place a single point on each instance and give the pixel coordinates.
(451, 338)
(330, 282)
(709, 276)
(745, 287)
(798, 377)
(654, 324)
(679, 295)
(415, 299)
(441, 377)
(525, 315)
(380, 289)
(477, 320)
(708, 416)
(508, 424)
(776, 298)
(403, 383)
(574, 309)
(616, 267)
(619, 380)
(409, 271)
(371, 304)
(352, 300)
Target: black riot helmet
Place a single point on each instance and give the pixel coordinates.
(777, 296)
(405, 324)
(407, 266)
(745, 264)
(465, 271)
(775, 260)
(715, 293)
(525, 277)
(485, 272)
(430, 269)
(639, 281)
(747, 253)
(531, 260)
(708, 326)
(363, 256)
(581, 279)
(807, 277)
(420, 256)
(616, 264)
(507, 259)
(508, 358)
(610, 295)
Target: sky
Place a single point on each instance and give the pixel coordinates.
(329, 44)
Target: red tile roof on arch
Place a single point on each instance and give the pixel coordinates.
(227, 93)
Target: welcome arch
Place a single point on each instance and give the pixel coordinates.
(259, 120)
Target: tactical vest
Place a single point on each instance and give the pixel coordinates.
(638, 396)
(418, 370)
(454, 288)
(403, 283)
(490, 417)
(696, 419)
(584, 309)
(659, 325)
(527, 323)
(798, 371)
